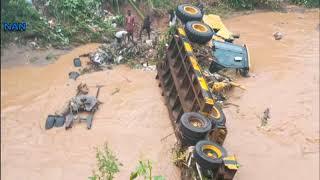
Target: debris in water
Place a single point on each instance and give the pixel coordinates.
(73, 75)
(115, 92)
(77, 62)
(265, 117)
(278, 35)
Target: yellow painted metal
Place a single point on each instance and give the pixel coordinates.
(182, 32)
(215, 112)
(219, 86)
(212, 148)
(203, 83)
(194, 63)
(215, 22)
(234, 165)
(209, 101)
(217, 38)
(188, 47)
(190, 10)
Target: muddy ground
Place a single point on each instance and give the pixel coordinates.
(285, 78)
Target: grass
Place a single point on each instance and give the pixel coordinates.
(107, 165)
(144, 169)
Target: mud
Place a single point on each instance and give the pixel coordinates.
(285, 78)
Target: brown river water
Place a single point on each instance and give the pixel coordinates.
(285, 78)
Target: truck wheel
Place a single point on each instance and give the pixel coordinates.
(188, 12)
(59, 121)
(209, 155)
(50, 122)
(194, 125)
(244, 72)
(217, 116)
(198, 32)
(190, 141)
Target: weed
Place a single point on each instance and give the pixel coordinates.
(50, 56)
(307, 3)
(144, 169)
(34, 59)
(107, 164)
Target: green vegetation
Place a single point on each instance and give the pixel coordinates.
(60, 22)
(144, 169)
(307, 3)
(107, 164)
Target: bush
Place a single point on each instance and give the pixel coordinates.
(108, 165)
(74, 21)
(307, 3)
(251, 4)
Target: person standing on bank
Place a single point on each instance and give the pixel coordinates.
(129, 21)
(146, 26)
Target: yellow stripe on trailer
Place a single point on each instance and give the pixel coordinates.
(203, 83)
(188, 47)
(194, 63)
(182, 32)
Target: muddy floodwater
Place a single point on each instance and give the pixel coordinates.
(284, 78)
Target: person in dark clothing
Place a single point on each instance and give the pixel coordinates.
(146, 26)
(172, 18)
(200, 5)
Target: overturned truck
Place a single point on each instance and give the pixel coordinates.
(195, 113)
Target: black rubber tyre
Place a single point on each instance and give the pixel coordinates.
(201, 151)
(198, 32)
(190, 141)
(215, 67)
(50, 122)
(244, 72)
(188, 12)
(59, 121)
(188, 124)
(77, 62)
(217, 116)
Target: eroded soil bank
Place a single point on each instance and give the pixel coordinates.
(133, 121)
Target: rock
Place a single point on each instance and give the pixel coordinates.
(278, 35)
(34, 45)
(119, 59)
(149, 42)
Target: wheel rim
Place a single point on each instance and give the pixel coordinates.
(212, 151)
(190, 10)
(196, 122)
(215, 113)
(199, 27)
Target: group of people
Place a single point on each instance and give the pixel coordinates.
(130, 25)
(146, 26)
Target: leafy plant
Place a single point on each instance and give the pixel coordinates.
(144, 169)
(107, 164)
(307, 3)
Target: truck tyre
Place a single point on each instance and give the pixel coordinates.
(194, 125)
(244, 72)
(190, 141)
(217, 116)
(50, 122)
(209, 155)
(188, 12)
(198, 32)
(59, 121)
